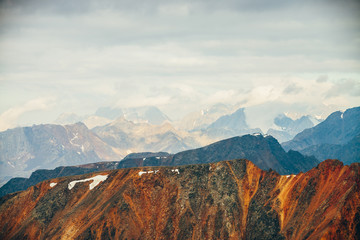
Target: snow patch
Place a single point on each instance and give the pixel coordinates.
(12, 165)
(144, 172)
(175, 170)
(96, 180)
(342, 115)
(75, 137)
(144, 159)
(82, 148)
(256, 134)
(157, 157)
(53, 184)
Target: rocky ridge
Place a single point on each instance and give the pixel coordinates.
(223, 200)
(264, 151)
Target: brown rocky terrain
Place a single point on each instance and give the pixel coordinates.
(222, 200)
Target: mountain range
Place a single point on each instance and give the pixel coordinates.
(23, 150)
(171, 186)
(141, 137)
(223, 200)
(264, 151)
(336, 137)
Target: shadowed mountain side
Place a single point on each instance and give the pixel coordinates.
(265, 152)
(339, 128)
(223, 200)
(337, 137)
(347, 153)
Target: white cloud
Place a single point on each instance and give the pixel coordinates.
(174, 9)
(180, 55)
(9, 118)
(136, 100)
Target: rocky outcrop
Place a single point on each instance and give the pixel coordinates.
(223, 200)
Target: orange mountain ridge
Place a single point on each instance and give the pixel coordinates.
(224, 200)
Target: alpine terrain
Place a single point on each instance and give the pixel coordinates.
(223, 200)
(336, 137)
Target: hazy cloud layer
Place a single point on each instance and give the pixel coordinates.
(178, 55)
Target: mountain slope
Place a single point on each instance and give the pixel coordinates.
(265, 152)
(347, 153)
(338, 128)
(20, 184)
(224, 200)
(336, 137)
(23, 150)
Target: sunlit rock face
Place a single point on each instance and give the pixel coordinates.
(224, 200)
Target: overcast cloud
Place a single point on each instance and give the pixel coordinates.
(178, 55)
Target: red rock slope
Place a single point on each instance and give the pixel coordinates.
(224, 200)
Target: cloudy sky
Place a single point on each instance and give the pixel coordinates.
(75, 56)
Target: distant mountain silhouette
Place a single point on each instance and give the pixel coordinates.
(265, 152)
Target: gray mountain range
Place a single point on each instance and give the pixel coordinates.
(336, 137)
(25, 149)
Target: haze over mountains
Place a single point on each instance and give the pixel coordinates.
(23, 150)
(264, 151)
(287, 128)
